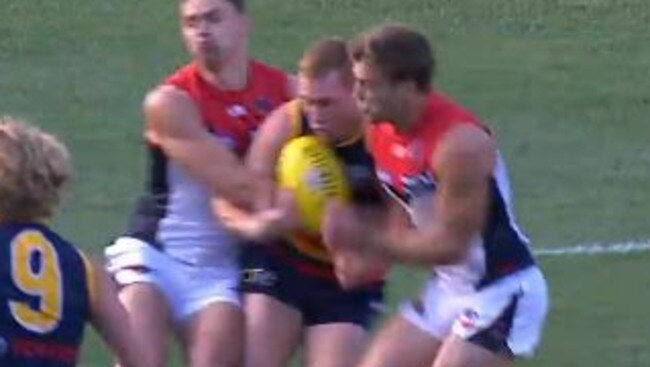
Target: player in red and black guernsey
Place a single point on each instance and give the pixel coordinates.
(177, 265)
(291, 293)
(49, 289)
(486, 300)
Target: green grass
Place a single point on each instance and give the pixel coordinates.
(564, 83)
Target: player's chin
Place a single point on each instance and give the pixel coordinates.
(322, 133)
(208, 56)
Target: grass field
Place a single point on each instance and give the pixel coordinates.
(564, 83)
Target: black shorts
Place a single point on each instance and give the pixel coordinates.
(320, 299)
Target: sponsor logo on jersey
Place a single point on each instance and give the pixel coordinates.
(259, 276)
(28, 349)
(236, 111)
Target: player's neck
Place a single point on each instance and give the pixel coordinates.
(231, 75)
(411, 113)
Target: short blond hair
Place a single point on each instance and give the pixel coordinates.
(34, 166)
(324, 56)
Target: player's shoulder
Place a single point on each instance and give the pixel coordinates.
(167, 98)
(268, 71)
(285, 114)
(272, 79)
(182, 75)
(468, 136)
(165, 95)
(468, 145)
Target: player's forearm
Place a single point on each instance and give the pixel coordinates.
(432, 247)
(222, 174)
(239, 188)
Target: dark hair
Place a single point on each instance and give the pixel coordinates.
(324, 56)
(239, 5)
(403, 53)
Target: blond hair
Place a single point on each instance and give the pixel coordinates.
(34, 166)
(325, 56)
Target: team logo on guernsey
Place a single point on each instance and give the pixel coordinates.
(236, 111)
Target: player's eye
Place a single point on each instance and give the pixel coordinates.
(319, 103)
(191, 22)
(213, 17)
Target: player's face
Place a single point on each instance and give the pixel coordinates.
(330, 108)
(213, 30)
(377, 97)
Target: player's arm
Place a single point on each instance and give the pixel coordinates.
(263, 154)
(463, 166)
(267, 218)
(111, 321)
(174, 124)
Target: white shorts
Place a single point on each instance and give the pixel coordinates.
(506, 317)
(187, 288)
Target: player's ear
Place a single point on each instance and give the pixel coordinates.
(408, 87)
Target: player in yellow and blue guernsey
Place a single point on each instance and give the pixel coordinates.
(48, 288)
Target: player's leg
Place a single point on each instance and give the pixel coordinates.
(334, 345)
(137, 268)
(498, 323)
(273, 330)
(272, 291)
(457, 352)
(400, 343)
(210, 320)
(150, 317)
(336, 322)
(414, 336)
(214, 336)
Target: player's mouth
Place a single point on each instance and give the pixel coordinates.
(205, 45)
(319, 129)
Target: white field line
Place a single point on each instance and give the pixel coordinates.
(595, 249)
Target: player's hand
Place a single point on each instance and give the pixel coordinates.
(227, 213)
(246, 224)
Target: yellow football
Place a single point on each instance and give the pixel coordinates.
(310, 168)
